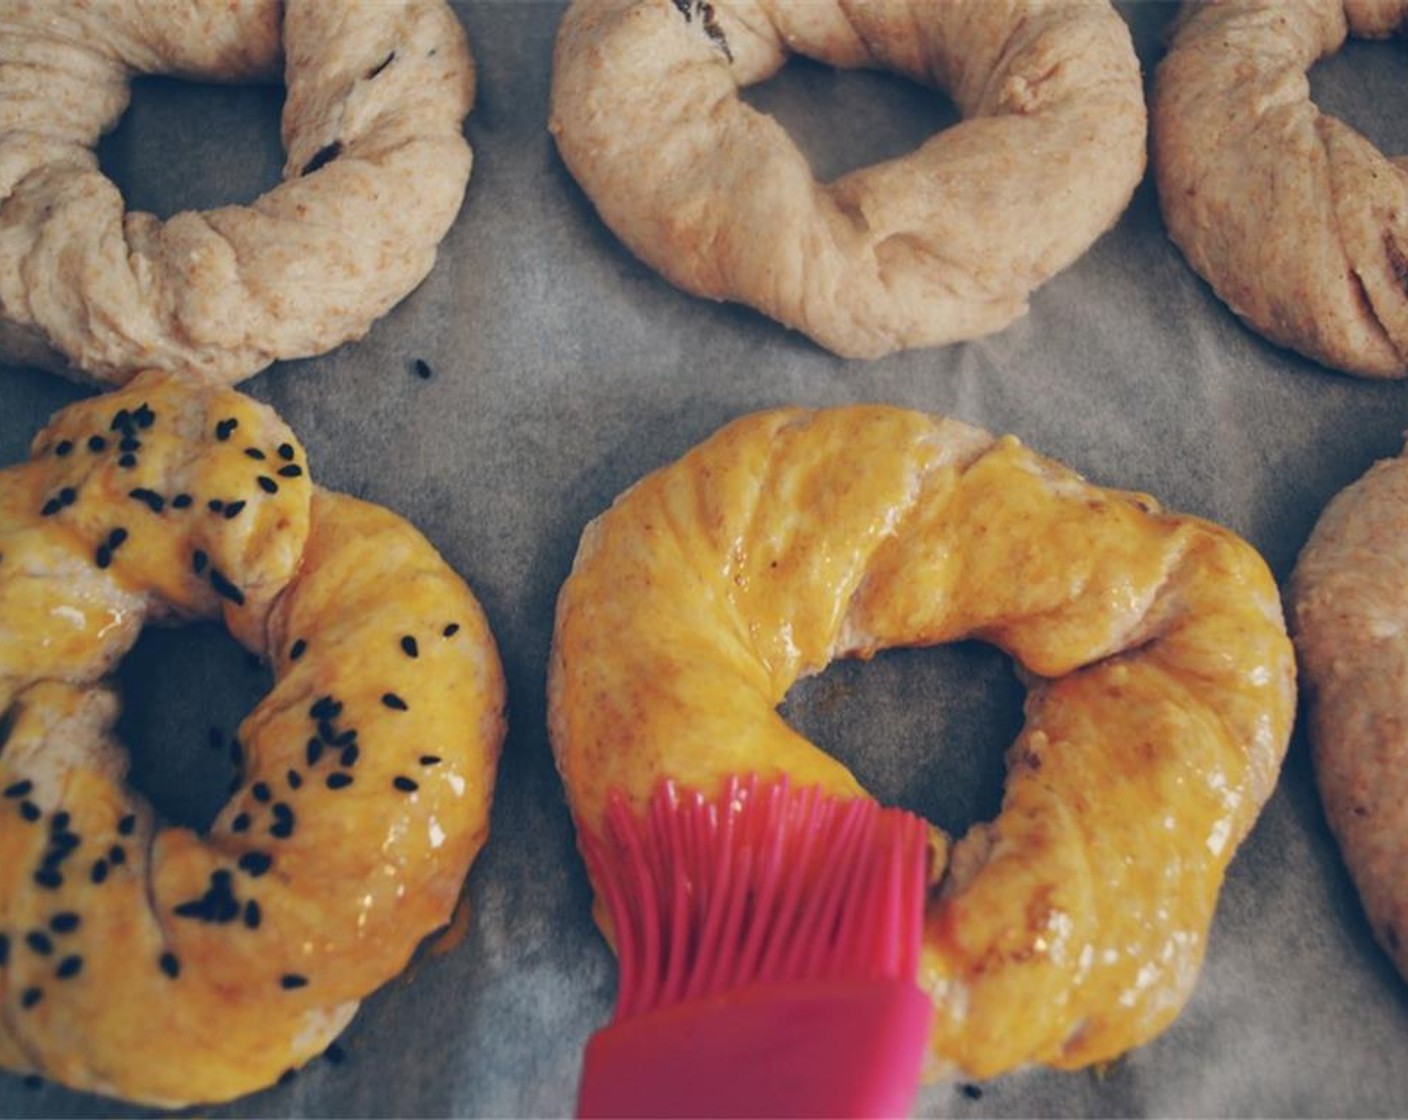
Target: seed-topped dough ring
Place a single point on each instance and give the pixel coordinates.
(1297, 221)
(376, 171)
(1160, 692)
(1349, 615)
(941, 245)
(148, 962)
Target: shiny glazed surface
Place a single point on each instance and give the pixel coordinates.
(1160, 692)
(209, 965)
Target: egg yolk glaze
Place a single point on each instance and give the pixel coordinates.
(166, 967)
(1160, 693)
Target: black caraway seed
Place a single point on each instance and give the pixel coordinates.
(31, 997)
(255, 453)
(350, 754)
(293, 470)
(261, 792)
(4, 950)
(297, 650)
(430, 760)
(181, 501)
(409, 647)
(292, 980)
(144, 416)
(170, 964)
(20, 788)
(96, 444)
(30, 811)
(232, 510)
(48, 879)
(255, 864)
(69, 967)
(117, 855)
(394, 702)
(295, 780)
(252, 915)
(66, 922)
(39, 942)
(51, 507)
(121, 421)
(240, 823)
(404, 784)
(422, 368)
(127, 461)
(267, 484)
(64, 447)
(102, 556)
(325, 707)
(99, 873)
(149, 498)
(224, 428)
(198, 561)
(286, 452)
(339, 780)
(313, 751)
(215, 505)
(127, 824)
(451, 630)
(224, 588)
(129, 443)
(323, 156)
(117, 538)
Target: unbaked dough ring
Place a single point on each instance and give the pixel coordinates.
(149, 962)
(941, 245)
(376, 171)
(1298, 222)
(1348, 603)
(1160, 692)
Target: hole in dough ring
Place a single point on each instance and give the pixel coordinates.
(365, 775)
(375, 173)
(1160, 692)
(1349, 618)
(1298, 222)
(941, 245)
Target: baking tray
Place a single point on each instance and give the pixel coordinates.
(563, 370)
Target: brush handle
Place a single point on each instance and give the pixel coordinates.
(807, 1049)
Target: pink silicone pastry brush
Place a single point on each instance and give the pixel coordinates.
(768, 942)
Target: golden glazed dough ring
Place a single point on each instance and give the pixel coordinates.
(376, 171)
(941, 245)
(1299, 224)
(148, 962)
(1349, 615)
(1160, 692)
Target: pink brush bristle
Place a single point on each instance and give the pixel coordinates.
(734, 906)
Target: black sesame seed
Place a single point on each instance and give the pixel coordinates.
(255, 453)
(170, 964)
(267, 484)
(99, 873)
(409, 647)
(215, 505)
(128, 460)
(255, 864)
(225, 427)
(297, 650)
(423, 370)
(451, 630)
(394, 702)
(96, 444)
(30, 811)
(295, 779)
(31, 997)
(48, 878)
(404, 784)
(335, 1054)
(232, 510)
(313, 751)
(69, 967)
(293, 470)
(261, 792)
(181, 501)
(349, 755)
(39, 942)
(64, 447)
(102, 556)
(286, 451)
(51, 507)
(65, 922)
(117, 855)
(20, 788)
(430, 760)
(127, 824)
(224, 588)
(253, 916)
(198, 561)
(339, 780)
(292, 980)
(240, 823)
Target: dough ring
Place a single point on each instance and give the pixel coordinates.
(941, 245)
(1299, 224)
(376, 171)
(1161, 692)
(148, 962)
(1349, 614)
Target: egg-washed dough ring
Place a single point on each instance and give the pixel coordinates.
(1296, 220)
(148, 962)
(1160, 692)
(1348, 615)
(941, 245)
(375, 173)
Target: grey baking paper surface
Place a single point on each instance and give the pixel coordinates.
(563, 371)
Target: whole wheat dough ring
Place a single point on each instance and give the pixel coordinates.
(1160, 692)
(1349, 614)
(1298, 222)
(375, 173)
(941, 245)
(146, 961)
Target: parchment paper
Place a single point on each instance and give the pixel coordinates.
(564, 370)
